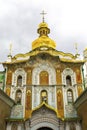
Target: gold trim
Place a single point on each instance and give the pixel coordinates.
(65, 57)
(48, 106)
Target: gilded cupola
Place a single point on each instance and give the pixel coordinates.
(43, 40)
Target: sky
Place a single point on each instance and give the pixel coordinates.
(19, 20)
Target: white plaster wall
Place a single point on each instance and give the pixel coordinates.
(14, 88)
(8, 126)
(37, 90)
(36, 95)
(69, 71)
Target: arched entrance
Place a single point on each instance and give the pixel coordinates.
(44, 128)
(40, 118)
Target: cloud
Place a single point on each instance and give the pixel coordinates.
(19, 21)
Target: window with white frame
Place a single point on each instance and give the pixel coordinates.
(18, 96)
(19, 80)
(69, 96)
(68, 80)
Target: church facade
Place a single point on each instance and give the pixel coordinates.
(44, 83)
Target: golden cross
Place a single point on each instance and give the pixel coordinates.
(43, 13)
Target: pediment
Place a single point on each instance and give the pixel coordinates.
(44, 57)
(44, 109)
(44, 114)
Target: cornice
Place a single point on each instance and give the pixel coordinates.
(64, 57)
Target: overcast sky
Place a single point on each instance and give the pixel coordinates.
(19, 20)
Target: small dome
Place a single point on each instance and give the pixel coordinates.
(43, 29)
(43, 24)
(43, 41)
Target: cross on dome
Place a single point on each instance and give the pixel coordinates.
(43, 13)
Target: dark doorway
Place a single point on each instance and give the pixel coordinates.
(44, 128)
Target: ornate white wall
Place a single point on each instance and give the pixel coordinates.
(14, 87)
(44, 67)
(69, 108)
(50, 90)
(19, 71)
(36, 92)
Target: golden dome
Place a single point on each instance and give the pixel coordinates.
(43, 24)
(43, 41)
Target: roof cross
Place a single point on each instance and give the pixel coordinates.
(43, 13)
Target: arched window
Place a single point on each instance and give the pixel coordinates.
(68, 80)
(19, 80)
(14, 127)
(44, 78)
(18, 96)
(44, 96)
(70, 96)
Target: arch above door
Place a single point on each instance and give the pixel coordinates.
(44, 128)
